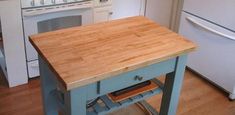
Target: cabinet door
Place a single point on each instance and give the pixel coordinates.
(159, 11)
(127, 8)
(13, 40)
(102, 14)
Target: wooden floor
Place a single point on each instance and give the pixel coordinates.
(198, 97)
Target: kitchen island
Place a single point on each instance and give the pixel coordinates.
(82, 63)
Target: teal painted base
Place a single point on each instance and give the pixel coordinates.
(74, 102)
(108, 105)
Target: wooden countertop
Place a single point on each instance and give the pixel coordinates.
(86, 54)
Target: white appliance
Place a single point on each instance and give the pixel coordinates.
(48, 16)
(211, 24)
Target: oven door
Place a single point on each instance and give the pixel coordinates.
(49, 20)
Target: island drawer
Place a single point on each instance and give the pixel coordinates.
(136, 76)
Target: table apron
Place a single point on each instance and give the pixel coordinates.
(128, 79)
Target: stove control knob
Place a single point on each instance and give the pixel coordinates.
(53, 1)
(32, 3)
(103, 1)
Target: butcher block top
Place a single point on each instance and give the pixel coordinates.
(87, 54)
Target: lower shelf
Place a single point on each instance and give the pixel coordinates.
(106, 105)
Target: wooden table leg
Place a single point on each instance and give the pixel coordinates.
(48, 85)
(75, 101)
(172, 87)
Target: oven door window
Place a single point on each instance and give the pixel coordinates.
(59, 23)
(53, 21)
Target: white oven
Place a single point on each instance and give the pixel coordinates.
(43, 17)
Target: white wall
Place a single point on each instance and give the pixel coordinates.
(165, 12)
(126, 8)
(160, 11)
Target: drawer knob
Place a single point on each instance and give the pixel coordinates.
(139, 78)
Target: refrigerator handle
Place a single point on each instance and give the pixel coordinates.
(210, 29)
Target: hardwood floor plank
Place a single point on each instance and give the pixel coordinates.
(198, 97)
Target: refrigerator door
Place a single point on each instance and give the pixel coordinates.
(215, 57)
(220, 12)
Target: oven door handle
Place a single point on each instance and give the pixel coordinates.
(53, 9)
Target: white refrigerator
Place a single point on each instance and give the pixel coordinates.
(211, 24)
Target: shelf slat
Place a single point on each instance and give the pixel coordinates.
(99, 109)
(109, 102)
(112, 106)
